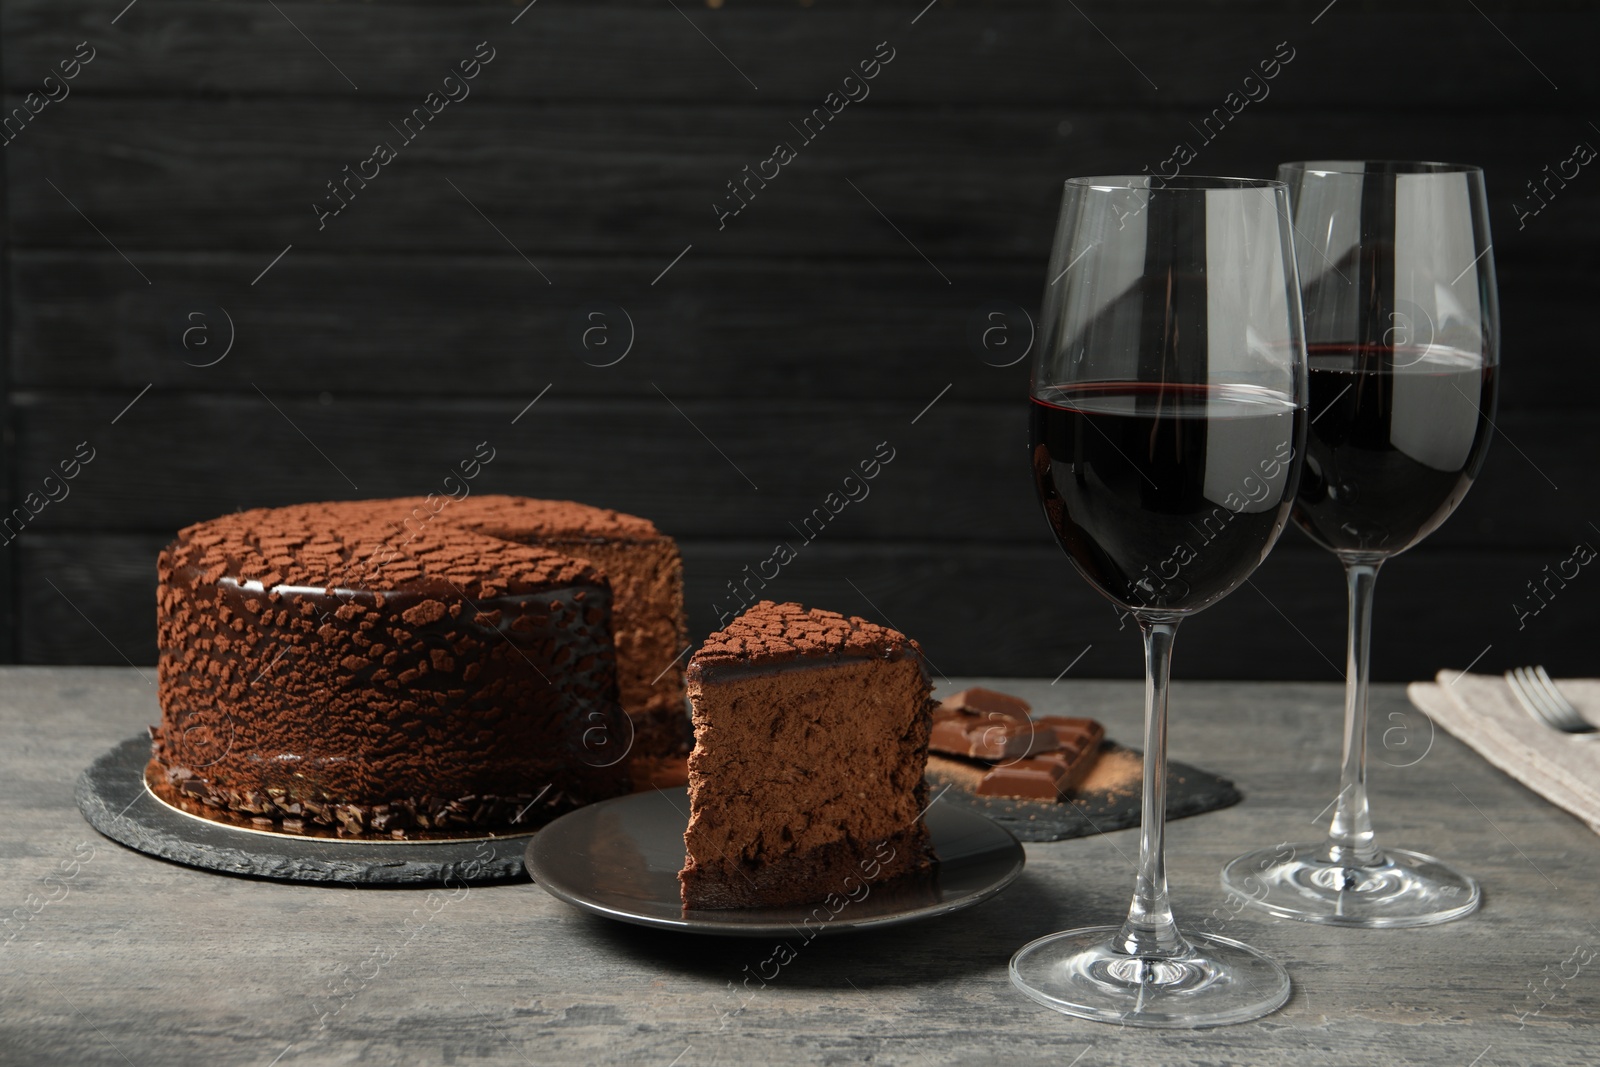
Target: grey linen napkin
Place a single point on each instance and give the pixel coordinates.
(1481, 710)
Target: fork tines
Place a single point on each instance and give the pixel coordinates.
(1536, 692)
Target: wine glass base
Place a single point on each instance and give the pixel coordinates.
(1217, 982)
(1402, 889)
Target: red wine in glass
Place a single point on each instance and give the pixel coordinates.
(1166, 496)
(1397, 436)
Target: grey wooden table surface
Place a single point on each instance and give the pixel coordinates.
(112, 957)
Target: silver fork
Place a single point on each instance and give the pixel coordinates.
(1539, 695)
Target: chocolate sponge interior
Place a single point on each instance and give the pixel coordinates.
(806, 780)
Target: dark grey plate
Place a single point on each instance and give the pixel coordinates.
(620, 859)
(113, 797)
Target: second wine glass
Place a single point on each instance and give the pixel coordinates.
(1402, 326)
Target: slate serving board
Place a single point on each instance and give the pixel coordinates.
(1190, 791)
(112, 796)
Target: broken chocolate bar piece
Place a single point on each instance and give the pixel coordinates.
(949, 732)
(1008, 740)
(986, 703)
(996, 737)
(1038, 759)
(1047, 775)
(1038, 778)
(1080, 745)
(1074, 735)
(983, 724)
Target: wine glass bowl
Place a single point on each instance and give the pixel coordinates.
(1167, 419)
(1402, 329)
(1405, 434)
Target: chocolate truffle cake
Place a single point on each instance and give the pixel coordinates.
(366, 668)
(646, 576)
(811, 736)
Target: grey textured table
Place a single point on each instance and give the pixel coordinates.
(113, 957)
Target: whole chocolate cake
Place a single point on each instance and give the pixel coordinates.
(806, 780)
(397, 667)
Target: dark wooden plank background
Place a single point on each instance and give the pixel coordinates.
(779, 350)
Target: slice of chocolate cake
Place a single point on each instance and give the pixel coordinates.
(811, 736)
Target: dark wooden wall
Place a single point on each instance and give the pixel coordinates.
(777, 352)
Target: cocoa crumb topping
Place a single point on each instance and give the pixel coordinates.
(773, 633)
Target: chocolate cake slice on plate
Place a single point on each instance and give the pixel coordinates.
(811, 739)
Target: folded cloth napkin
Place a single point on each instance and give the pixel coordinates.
(1481, 710)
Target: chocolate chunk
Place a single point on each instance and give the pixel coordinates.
(1074, 734)
(949, 733)
(1037, 779)
(1080, 745)
(1071, 748)
(986, 703)
(1008, 739)
(983, 724)
(987, 737)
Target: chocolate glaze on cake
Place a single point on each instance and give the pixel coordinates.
(351, 666)
(811, 737)
(647, 620)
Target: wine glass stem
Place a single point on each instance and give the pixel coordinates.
(1350, 838)
(1149, 929)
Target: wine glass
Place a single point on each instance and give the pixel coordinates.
(1402, 327)
(1168, 417)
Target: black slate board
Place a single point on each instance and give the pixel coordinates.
(112, 797)
(1190, 791)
